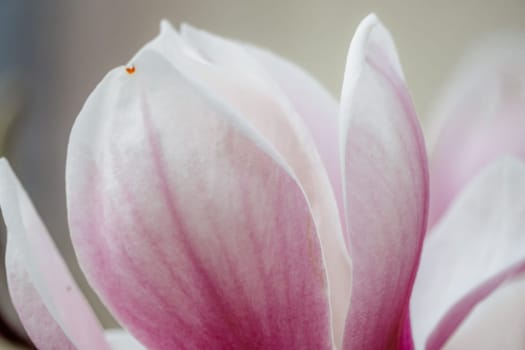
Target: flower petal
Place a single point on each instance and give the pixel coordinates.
(119, 339)
(496, 323)
(238, 80)
(385, 187)
(480, 118)
(316, 107)
(463, 308)
(11, 328)
(52, 309)
(188, 224)
(480, 236)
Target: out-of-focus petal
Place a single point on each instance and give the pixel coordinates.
(481, 235)
(119, 339)
(53, 311)
(187, 223)
(480, 118)
(227, 71)
(496, 323)
(463, 308)
(386, 190)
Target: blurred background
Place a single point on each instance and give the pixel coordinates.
(54, 52)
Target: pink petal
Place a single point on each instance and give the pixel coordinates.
(53, 311)
(480, 118)
(496, 323)
(10, 326)
(187, 223)
(480, 236)
(464, 307)
(386, 190)
(228, 71)
(316, 106)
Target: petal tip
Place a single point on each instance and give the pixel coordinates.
(165, 26)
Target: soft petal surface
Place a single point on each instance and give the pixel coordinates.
(481, 235)
(190, 226)
(316, 106)
(496, 323)
(119, 339)
(457, 314)
(480, 118)
(227, 70)
(313, 103)
(10, 326)
(53, 311)
(386, 190)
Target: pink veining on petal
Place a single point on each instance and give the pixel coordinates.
(188, 225)
(227, 70)
(386, 188)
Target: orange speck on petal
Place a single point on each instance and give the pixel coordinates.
(130, 69)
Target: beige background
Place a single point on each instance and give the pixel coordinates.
(78, 42)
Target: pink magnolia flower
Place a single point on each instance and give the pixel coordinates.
(219, 198)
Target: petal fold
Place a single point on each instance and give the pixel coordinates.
(496, 323)
(481, 236)
(385, 180)
(463, 309)
(51, 308)
(227, 70)
(189, 224)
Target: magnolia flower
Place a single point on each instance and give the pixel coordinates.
(218, 198)
(470, 287)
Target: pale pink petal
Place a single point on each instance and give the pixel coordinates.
(463, 308)
(317, 108)
(187, 223)
(119, 339)
(53, 311)
(10, 326)
(480, 118)
(237, 79)
(386, 190)
(496, 323)
(480, 236)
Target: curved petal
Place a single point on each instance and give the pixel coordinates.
(496, 323)
(480, 118)
(481, 235)
(119, 339)
(11, 328)
(316, 107)
(187, 223)
(227, 71)
(463, 308)
(386, 190)
(53, 311)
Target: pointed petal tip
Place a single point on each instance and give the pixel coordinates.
(377, 120)
(165, 26)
